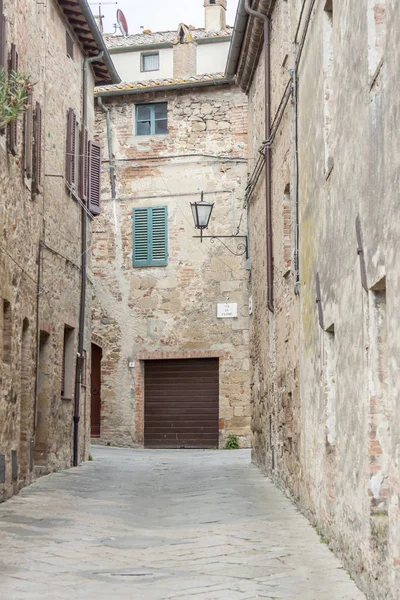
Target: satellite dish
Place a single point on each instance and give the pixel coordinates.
(122, 22)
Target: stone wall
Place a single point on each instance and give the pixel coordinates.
(40, 442)
(274, 337)
(142, 313)
(325, 375)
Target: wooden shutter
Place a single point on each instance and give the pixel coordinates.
(360, 252)
(83, 164)
(71, 148)
(3, 41)
(319, 301)
(150, 238)
(37, 167)
(13, 126)
(159, 236)
(94, 168)
(140, 236)
(28, 137)
(3, 48)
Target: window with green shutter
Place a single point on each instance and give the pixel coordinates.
(150, 236)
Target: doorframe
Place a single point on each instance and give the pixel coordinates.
(140, 359)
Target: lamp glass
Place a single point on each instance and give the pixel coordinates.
(201, 214)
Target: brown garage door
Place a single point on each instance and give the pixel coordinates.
(181, 403)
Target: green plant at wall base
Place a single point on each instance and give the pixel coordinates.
(90, 458)
(232, 443)
(14, 91)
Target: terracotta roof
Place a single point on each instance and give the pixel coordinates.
(154, 84)
(80, 17)
(160, 37)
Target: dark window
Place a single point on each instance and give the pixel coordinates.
(7, 332)
(150, 236)
(70, 45)
(67, 369)
(152, 119)
(150, 61)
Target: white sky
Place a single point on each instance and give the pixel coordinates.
(158, 15)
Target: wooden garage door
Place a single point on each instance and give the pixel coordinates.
(181, 403)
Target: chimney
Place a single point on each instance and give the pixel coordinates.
(185, 53)
(215, 14)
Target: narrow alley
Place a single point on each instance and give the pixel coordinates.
(158, 525)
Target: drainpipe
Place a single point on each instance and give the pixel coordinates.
(268, 155)
(294, 184)
(82, 311)
(106, 111)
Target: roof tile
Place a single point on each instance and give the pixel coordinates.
(144, 39)
(155, 83)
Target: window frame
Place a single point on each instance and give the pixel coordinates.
(150, 262)
(143, 56)
(153, 120)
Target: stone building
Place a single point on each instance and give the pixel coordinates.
(47, 171)
(170, 372)
(323, 225)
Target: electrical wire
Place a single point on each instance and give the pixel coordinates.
(169, 156)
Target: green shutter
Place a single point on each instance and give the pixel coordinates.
(159, 250)
(150, 236)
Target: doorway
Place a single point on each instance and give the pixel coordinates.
(95, 388)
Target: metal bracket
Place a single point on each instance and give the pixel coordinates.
(242, 247)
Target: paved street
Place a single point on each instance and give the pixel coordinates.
(158, 525)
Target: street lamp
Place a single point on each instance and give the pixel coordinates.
(201, 212)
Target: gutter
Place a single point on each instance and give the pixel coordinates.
(175, 86)
(111, 159)
(91, 21)
(239, 31)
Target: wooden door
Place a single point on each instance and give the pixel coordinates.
(95, 387)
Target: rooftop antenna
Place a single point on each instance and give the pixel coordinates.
(100, 16)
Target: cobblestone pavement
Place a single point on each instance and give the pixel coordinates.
(158, 525)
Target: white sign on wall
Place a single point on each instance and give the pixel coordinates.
(227, 311)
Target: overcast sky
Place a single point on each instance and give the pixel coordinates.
(158, 15)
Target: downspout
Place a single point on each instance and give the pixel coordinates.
(106, 111)
(294, 184)
(82, 311)
(268, 154)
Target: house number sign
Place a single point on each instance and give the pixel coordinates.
(226, 311)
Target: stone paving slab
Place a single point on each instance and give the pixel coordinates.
(163, 525)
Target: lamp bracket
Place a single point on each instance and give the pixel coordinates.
(242, 247)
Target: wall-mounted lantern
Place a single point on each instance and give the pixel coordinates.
(201, 215)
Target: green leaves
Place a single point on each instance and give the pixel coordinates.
(232, 443)
(14, 89)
